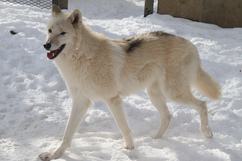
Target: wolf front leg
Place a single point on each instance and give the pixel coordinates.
(78, 111)
(116, 107)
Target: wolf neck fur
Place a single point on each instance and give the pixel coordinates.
(87, 44)
(90, 41)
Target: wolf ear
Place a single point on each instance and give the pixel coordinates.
(75, 17)
(55, 10)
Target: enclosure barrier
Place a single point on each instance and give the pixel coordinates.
(224, 13)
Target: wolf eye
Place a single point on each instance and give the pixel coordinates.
(63, 33)
(50, 31)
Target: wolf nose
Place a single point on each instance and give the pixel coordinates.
(47, 46)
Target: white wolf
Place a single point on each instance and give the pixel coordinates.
(96, 67)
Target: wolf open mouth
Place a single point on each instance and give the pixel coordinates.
(53, 54)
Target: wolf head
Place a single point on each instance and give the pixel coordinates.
(62, 30)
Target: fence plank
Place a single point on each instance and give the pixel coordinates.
(148, 7)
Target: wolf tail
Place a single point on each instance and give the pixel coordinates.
(207, 85)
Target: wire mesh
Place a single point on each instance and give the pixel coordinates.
(43, 4)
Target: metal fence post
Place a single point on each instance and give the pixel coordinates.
(63, 4)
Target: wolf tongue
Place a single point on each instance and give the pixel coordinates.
(51, 54)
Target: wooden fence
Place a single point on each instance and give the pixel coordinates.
(224, 13)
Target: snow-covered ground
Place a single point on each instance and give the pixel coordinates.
(34, 102)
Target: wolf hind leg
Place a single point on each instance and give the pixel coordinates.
(159, 101)
(187, 98)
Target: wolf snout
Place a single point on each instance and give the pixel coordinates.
(47, 46)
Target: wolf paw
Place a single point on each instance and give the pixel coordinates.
(45, 156)
(207, 132)
(157, 136)
(130, 147)
(50, 156)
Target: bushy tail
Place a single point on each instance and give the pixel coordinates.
(207, 85)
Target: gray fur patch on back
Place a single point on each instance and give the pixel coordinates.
(136, 41)
(133, 43)
(160, 33)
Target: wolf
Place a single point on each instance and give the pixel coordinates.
(96, 67)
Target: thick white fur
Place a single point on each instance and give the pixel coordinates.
(96, 67)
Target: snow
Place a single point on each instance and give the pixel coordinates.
(34, 102)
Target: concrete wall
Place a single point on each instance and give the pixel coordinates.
(224, 13)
